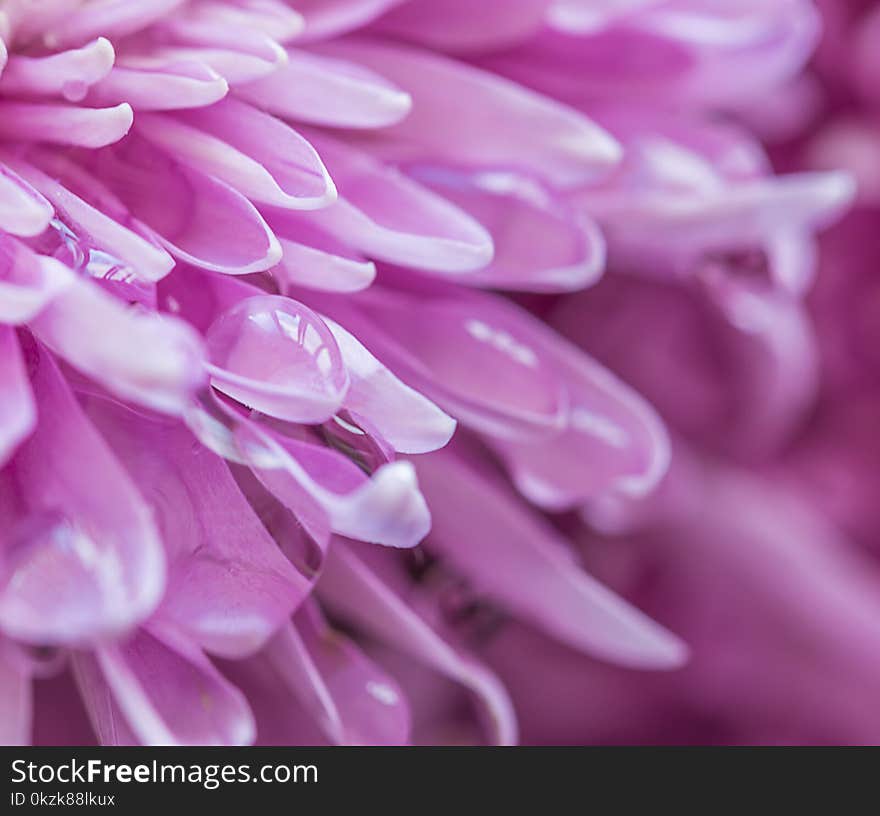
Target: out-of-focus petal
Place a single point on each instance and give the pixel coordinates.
(18, 411)
(352, 591)
(511, 555)
(157, 688)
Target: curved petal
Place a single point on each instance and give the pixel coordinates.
(350, 697)
(66, 73)
(353, 592)
(160, 85)
(479, 357)
(23, 211)
(158, 689)
(100, 226)
(152, 359)
(329, 18)
(198, 219)
(64, 124)
(230, 587)
(28, 282)
(18, 411)
(569, 255)
(258, 155)
(461, 109)
(406, 224)
(511, 555)
(329, 92)
(405, 419)
(465, 27)
(83, 559)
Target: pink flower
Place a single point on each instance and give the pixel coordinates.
(253, 256)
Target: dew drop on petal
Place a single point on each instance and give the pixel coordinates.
(278, 357)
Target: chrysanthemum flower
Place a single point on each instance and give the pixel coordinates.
(256, 264)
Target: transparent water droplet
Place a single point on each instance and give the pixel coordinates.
(220, 429)
(278, 357)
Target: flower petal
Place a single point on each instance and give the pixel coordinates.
(354, 593)
(461, 110)
(83, 559)
(198, 219)
(229, 586)
(350, 697)
(18, 411)
(158, 689)
(513, 556)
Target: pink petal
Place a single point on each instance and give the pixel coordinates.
(330, 92)
(66, 73)
(229, 585)
(461, 26)
(196, 218)
(477, 356)
(407, 420)
(385, 508)
(103, 224)
(513, 209)
(23, 211)
(28, 282)
(84, 559)
(18, 412)
(461, 110)
(159, 689)
(110, 18)
(328, 18)
(351, 698)
(313, 259)
(357, 595)
(407, 224)
(139, 355)
(159, 85)
(258, 155)
(64, 124)
(513, 556)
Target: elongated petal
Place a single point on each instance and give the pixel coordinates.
(28, 282)
(161, 690)
(18, 412)
(512, 556)
(569, 255)
(386, 508)
(64, 124)
(463, 27)
(83, 558)
(461, 109)
(160, 85)
(349, 696)
(23, 211)
(154, 360)
(328, 18)
(230, 587)
(67, 73)
(97, 226)
(255, 153)
(356, 594)
(406, 419)
(407, 224)
(480, 358)
(198, 219)
(329, 92)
